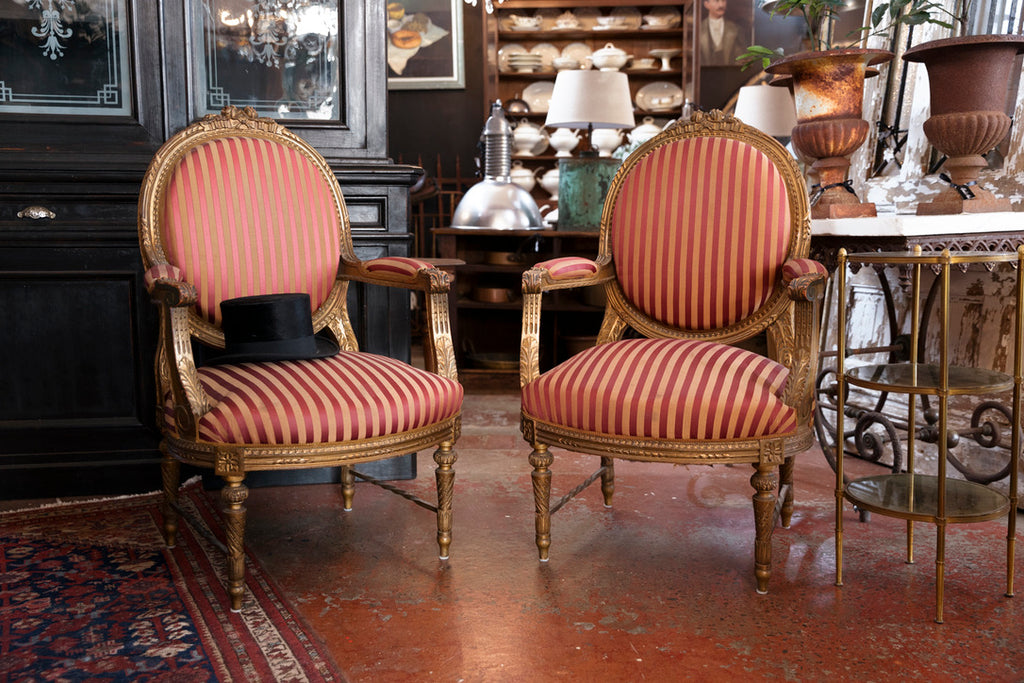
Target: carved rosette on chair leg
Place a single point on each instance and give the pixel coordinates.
(967, 81)
(828, 88)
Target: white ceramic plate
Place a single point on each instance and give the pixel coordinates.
(507, 51)
(537, 96)
(577, 51)
(669, 18)
(547, 52)
(629, 16)
(660, 96)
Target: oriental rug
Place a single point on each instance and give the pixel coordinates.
(89, 591)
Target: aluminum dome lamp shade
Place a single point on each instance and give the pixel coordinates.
(496, 203)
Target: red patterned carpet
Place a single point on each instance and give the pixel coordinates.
(88, 591)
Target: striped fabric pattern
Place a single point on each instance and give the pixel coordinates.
(349, 396)
(674, 389)
(163, 271)
(396, 265)
(245, 216)
(568, 267)
(700, 230)
(797, 267)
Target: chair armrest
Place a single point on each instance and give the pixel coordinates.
(416, 274)
(177, 368)
(805, 279)
(397, 271)
(566, 272)
(167, 285)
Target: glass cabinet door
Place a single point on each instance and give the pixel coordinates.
(279, 57)
(65, 57)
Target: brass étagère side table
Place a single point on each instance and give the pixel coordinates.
(910, 495)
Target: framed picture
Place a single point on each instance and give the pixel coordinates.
(424, 45)
(726, 29)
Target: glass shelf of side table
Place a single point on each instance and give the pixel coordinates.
(910, 495)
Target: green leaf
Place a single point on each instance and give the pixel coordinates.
(878, 14)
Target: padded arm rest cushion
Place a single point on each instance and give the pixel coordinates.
(568, 267)
(162, 271)
(396, 266)
(798, 267)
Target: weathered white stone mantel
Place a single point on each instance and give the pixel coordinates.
(897, 225)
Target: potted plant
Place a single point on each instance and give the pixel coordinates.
(828, 87)
(967, 78)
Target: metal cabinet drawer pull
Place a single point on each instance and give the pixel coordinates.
(36, 212)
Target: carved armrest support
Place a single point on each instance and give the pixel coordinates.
(176, 369)
(397, 271)
(415, 274)
(805, 279)
(567, 272)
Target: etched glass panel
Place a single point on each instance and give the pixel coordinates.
(278, 56)
(64, 57)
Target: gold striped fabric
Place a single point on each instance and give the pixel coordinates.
(349, 396)
(244, 216)
(700, 230)
(665, 389)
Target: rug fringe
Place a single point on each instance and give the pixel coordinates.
(99, 499)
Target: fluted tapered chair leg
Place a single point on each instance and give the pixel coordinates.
(445, 458)
(233, 496)
(170, 470)
(541, 460)
(765, 482)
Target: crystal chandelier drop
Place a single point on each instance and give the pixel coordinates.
(488, 5)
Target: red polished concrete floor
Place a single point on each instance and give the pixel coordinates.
(658, 588)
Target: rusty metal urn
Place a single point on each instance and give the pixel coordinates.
(828, 88)
(967, 79)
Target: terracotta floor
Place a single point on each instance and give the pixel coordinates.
(658, 588)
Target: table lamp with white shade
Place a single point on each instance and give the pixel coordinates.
(587, 100)
(768, 108)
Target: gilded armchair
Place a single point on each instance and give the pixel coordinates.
(703, 245)
(238, 206)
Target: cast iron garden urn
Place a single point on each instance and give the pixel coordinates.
(967, 79)
(828, 88)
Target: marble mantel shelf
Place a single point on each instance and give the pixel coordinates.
(896, 226)
(1003, 231)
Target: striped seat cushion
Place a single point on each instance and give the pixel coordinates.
(700, 230)
(245, 216)
(665, 389)
(349, 396)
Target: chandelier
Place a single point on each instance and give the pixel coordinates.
(488, 5)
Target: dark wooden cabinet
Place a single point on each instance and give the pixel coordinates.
(78, 405)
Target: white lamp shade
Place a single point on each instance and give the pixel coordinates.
(583, 98)
(768, 108)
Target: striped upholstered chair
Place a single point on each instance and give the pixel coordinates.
(237, 206)
(703, 246)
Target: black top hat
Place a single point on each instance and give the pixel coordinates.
(270, 327)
